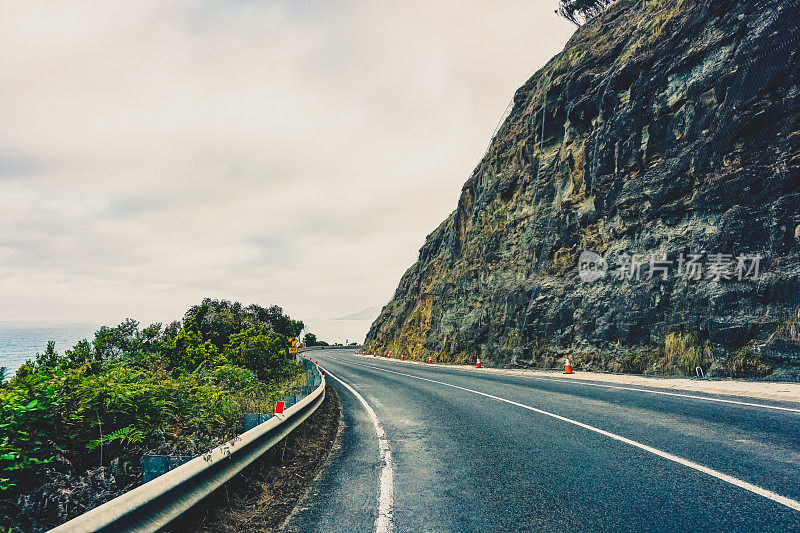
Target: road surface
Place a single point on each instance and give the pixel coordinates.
(439, 449)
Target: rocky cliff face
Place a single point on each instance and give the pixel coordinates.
(667, 130)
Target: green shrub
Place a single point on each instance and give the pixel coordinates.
(188, 350)
(263, 351)
(26, 423)
(129, 391)
(637, 362)
(746, 363)
(233, 378)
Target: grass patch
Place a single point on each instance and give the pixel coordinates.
(684, 351)
(791, 328)
(746, 363)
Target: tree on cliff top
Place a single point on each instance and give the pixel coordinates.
(310, 339)
(581, 11)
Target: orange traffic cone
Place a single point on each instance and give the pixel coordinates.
(567, 367)
(402, 357)
(374, 355)
(388, 356)
(478, 364)
(430, 359)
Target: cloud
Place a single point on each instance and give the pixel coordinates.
(153, 153)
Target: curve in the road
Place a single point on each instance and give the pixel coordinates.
(783, 500)
(467, 457)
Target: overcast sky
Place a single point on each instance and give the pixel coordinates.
(297, 153)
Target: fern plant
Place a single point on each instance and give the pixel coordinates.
(126, 436)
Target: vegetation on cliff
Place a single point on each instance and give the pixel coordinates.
(73, 426)
(581, 11)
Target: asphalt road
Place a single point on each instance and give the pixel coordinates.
(475, 451)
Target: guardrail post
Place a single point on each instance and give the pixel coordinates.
(252, 420)
(158, 465)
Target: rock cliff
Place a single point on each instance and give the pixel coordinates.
(665, 139)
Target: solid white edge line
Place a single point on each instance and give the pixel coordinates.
(620, 387)
(384, 522)
(665, 393)
(755, 489)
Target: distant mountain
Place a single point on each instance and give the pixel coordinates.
(370, 313)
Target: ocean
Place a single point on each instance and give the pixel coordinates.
(20, 341)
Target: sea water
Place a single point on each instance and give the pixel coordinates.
(20, 341)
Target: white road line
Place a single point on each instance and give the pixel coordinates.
(620, 387)
(665, 393)
(383, 524)
(755, 489)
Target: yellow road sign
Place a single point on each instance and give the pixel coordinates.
(293, 341)
(292, 350)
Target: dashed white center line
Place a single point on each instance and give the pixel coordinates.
(384, 522)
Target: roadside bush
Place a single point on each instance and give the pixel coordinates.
(187, 351)
(637, 362)
(218, 320)
(130, 390)
(263, 351)
(232, 377)
(26, 424)
(746, 363)
(589, 361)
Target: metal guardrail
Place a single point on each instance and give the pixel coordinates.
(153, 505)
(313, 348)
